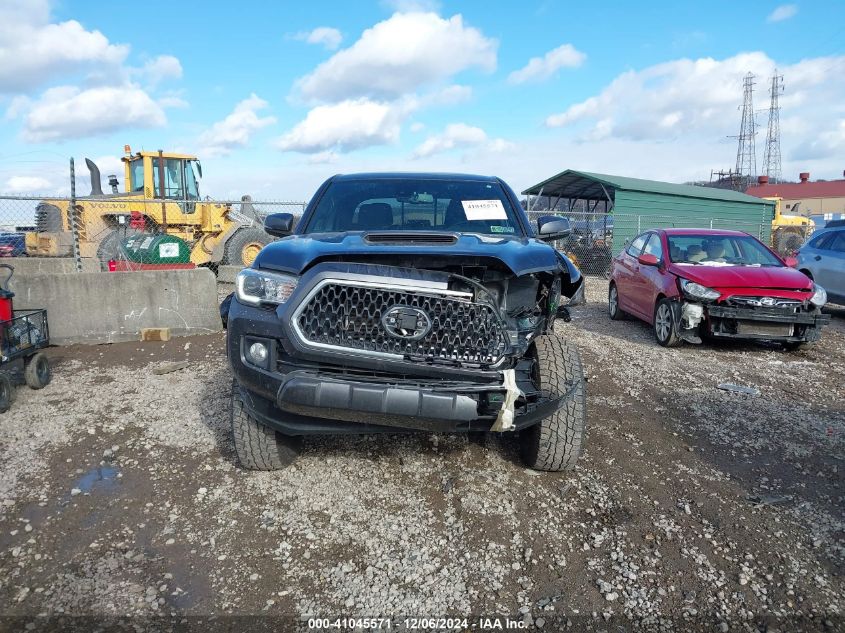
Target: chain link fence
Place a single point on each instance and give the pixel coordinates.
(121, 232)
(141, 230)
(597, 238)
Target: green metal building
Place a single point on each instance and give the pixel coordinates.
(637, 205)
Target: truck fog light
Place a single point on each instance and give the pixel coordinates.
(258, 353)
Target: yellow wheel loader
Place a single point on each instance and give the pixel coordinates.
(162, 196)
(789, 231)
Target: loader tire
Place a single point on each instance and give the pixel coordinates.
(48, 218)
(557, 441)
(244, 245)
(258, 446)
(788, 242)
(110, 247)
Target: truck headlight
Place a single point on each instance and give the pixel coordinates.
(255, 287)
(819, 297)
(697, 291)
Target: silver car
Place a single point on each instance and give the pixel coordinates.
(822, 259)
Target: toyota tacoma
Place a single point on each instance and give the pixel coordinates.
(407, 303)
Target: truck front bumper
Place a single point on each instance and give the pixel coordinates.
(303, 396)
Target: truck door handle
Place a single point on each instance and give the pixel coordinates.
(817, 257)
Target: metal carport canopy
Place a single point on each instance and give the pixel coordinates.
(584, 185)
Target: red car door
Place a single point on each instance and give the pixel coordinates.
(626, 273)
(649, 279)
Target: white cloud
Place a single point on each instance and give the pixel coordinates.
(690, 101)
(33, 49)
(17, 106)
(27, 184)
(236, 129)
(416, 126)
(323, 158)
(345, 126)
(450, 95)
(399, 55)
(783, 12)
(160, 69)
(173, 101)
(67, 112)
(330, 38)
(459, 136)
(539, 68)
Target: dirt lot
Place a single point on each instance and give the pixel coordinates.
(693, 507)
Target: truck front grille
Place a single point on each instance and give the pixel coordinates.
(342, 315)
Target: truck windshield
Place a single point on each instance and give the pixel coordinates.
(720, 250)
(412, 204)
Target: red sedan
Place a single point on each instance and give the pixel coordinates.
(697, 283)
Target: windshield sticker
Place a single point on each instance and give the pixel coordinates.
(502, 229)
(484, 210)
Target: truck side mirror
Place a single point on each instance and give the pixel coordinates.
(553, 227)
(279, 224)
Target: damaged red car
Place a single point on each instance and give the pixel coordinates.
(691, 284)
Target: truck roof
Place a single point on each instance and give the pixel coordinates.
(386, 175)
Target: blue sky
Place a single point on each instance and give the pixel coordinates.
(276, 96)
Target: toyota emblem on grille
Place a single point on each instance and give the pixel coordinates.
(768, 301)
(406, 322)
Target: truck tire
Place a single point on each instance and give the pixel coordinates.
(556, 442)
(7, 392)
(258, 446)
(244, 245)
(37, 371)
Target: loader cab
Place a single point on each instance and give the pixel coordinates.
(177, 176)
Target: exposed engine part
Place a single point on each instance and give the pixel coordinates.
(691, 315)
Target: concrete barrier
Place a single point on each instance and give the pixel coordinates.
(111, 307)
(30, 265)
(227, 274)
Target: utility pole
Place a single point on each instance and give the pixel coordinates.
(746, 153)
(771, 156)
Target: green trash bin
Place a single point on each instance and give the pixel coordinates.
(146, 248)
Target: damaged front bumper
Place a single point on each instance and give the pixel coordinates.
(314, 401)
(303, 391)
(797, 325)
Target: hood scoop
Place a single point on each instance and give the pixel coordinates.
(410, 237)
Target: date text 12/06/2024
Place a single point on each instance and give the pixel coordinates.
(417, 624)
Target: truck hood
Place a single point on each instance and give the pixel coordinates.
(763, 277)
(296, 253)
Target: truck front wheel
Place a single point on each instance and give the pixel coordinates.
(258, 446)
(556, 442)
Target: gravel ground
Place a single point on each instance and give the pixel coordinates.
(692, 508)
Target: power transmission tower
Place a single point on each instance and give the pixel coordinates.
(771, 156)
(746, 153)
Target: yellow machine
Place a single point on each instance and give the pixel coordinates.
(789, 231)
(162, 196)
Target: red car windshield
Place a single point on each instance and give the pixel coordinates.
(720, 250)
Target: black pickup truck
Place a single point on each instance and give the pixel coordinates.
(407, 303)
